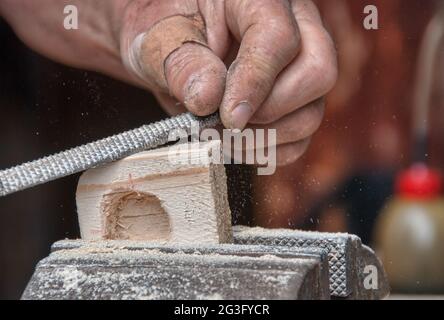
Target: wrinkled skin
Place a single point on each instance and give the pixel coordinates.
(265, 63)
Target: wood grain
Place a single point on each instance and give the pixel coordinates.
(158, 195)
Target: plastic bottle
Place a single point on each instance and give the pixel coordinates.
(409, 232)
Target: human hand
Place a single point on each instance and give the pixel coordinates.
(284, 60)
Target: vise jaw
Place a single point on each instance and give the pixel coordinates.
(261, 264)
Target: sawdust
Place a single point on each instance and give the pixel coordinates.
(122, 269)
(74, 274)
(244, 231)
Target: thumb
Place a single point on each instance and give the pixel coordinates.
(173, 56)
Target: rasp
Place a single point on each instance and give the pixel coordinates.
(96, 153)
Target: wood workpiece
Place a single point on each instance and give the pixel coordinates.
(159, 195)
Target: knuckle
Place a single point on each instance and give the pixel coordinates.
(330, 77)
(291, 38)
(285, 40)
(325, 71)
(256, 70)
(325, 66)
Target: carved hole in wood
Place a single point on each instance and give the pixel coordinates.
(134, 215)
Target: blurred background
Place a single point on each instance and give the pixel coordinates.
(344, 183)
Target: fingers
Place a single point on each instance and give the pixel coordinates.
(293, 133)
(172, 56)
(175, 56)
(285, 153)
(218, 38)
(291, 152)
(312, 74)
(196, 77)
(269, 39)
(299, 125)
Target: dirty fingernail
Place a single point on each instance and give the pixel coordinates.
(240, 115)
(192, 89)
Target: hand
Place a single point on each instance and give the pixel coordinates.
(284, 59)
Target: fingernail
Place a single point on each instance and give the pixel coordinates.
(240, 115)
(133, 60)
(193, 87)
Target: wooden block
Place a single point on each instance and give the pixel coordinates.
(158, 196)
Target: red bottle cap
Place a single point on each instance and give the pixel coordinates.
(419, 182)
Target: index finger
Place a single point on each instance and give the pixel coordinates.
(269, 37)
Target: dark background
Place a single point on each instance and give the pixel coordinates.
(45, 108)
(340, 184)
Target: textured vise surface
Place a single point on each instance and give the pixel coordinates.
(96, 153)
(338, 247)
